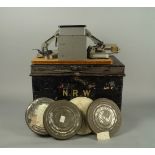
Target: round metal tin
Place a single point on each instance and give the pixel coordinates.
(104, 115)
(62, 119)
(34, 115)
(83, 103)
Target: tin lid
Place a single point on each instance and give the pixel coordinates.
(104, 115)
(66, 26)
(62, 119)
(34, 115)
(83, 69)
(83, 103)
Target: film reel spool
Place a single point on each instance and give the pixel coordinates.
(34, 115)
(104, 115)
(83, 103)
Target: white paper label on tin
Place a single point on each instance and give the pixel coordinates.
(62, 119)
(103, 136)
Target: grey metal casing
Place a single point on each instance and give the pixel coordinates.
(72, 31)
(72, 47)
(72, 43)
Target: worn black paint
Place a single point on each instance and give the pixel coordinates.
(101, 80)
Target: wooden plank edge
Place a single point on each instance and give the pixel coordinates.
(109, 61)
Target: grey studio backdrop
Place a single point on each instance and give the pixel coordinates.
(133, 29)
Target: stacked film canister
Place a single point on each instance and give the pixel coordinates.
(63, 119)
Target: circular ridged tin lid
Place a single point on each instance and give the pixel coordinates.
(62, 119)
(34, 115)
(104, 115)
(83, 103)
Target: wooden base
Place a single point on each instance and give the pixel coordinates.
(57, 61)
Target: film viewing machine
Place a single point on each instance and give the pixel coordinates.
(77, 89)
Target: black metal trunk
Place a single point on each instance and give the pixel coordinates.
(69, 81)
